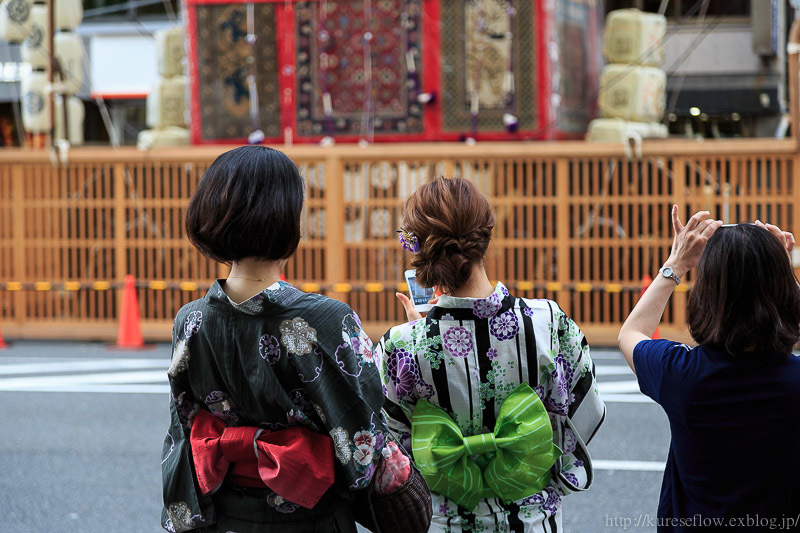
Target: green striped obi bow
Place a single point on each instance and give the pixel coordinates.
(511, 463)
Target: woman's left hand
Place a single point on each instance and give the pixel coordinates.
(408, 305)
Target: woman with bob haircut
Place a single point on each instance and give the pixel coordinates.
(734, 397)
(495, 395)
(276, 399)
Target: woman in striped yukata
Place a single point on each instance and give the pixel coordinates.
(494, 394)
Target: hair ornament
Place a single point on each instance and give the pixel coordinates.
(408, 240)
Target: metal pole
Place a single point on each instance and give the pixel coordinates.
(51, 66)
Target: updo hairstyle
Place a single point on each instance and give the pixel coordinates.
(453, 223)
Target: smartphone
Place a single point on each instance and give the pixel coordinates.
(419, 295)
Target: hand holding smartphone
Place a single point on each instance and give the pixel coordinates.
(420, 296)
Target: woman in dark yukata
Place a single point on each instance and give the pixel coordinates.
(260, 366)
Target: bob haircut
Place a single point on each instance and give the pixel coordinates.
(248, 204)
(745, 298)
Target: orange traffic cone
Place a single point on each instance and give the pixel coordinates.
(3, 344)
(130, 329)
(646, 281)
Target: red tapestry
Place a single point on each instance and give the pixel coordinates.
(358, 68)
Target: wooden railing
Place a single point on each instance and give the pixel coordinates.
(578, 223)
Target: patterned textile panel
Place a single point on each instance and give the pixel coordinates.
(331, 49)
(222, 53)
(580, 56)
(488, 59)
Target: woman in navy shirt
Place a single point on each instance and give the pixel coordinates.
(733, 401)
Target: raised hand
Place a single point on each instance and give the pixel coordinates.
(408, 305)
(786, 237)
(690, 240)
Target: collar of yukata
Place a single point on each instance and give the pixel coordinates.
(500, 293)
(271, 294)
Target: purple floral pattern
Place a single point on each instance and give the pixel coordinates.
(457, 341)
(186, 409)
(269, 348)
(222, 407)
(487, 307)
(504, 326)
(491, 353)
(403, 372)
(570, 441)
(571, 478)
(562, 375)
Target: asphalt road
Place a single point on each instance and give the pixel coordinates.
(83, 428)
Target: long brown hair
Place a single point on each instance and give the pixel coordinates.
(745, 297)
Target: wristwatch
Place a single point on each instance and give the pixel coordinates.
(668, 273)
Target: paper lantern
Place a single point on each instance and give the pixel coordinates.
(69, 52)
(632, 93)
(35, 102)
(618, 130)
(68, 14)
(76, 114)
(162, 138)
(169, 47)
(166, 103)
(15, 20)
(632, 36)
(35, 49)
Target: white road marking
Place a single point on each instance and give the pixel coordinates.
(82, 366)
(148, 376)
(89, 387)
(616, 356)
(635, 466)
(618, 370)
(132, 376)
(626, 398)
(615, 387)
(140, 376)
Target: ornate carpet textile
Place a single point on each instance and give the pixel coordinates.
(222, 53)
(488, 50)
(331, 59)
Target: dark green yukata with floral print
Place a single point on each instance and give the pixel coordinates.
(282, 358)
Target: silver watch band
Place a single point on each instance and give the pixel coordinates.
(668, 273)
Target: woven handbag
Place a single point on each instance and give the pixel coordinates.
(406, 510)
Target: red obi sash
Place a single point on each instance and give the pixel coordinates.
(296, 463)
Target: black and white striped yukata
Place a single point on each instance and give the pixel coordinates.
(466, 356)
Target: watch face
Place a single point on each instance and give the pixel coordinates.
(667, 271)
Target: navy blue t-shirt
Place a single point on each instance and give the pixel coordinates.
(735, 424)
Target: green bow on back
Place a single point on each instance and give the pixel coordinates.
(512, 463)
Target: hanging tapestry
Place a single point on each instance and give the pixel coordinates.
(223, 65)
(580, 43)
(358, 71)
(488, 65)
